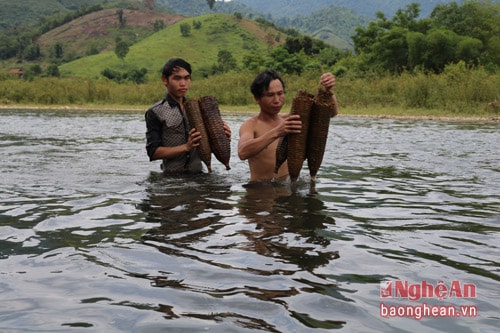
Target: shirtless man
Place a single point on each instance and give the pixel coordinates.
(260, 134)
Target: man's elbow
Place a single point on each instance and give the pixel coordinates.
(242, 156)
(152, 153)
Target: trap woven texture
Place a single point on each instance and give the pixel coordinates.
(297, 143)
(281, 153)
(219, 142)
(319, 123)
(195, 119)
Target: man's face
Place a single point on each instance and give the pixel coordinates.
(178, 82)
(272, 99)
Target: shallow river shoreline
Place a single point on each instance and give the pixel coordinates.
(226, 110)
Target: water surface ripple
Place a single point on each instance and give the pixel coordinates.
(94, 238)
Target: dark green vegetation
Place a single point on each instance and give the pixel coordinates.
(17, 13)
(468, 33)
(115, 54)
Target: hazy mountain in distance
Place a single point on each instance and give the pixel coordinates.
(368, 8)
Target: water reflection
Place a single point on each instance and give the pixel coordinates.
(275, 221)
(285, 225)
(184, 202)
(256, 229)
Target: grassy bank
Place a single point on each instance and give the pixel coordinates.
(459, 92)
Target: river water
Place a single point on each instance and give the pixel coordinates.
(94, 239)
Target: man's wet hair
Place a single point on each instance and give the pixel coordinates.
(262, 81)
(173, 66)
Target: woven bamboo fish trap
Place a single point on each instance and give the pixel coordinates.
(281, 153)
(319, 123)
(297, 142)
(195, 119)
(219, 142)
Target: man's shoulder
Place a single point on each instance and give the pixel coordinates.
(252, 119)
(250, 122)
(155, 105)
(162, 109)
(153, 113)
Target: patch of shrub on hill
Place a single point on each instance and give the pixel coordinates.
(134, 75)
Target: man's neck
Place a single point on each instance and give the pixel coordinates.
(178, 100)
(269, 117)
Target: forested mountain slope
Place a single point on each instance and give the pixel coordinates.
(368, 8)
(27, 12)
(333, 21)
(334, 25)
(202, 45)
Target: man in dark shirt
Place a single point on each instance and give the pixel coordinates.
(168, 134)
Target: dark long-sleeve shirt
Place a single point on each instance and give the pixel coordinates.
(168, 126)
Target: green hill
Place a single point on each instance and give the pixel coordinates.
(216, 32)
(97, 31)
